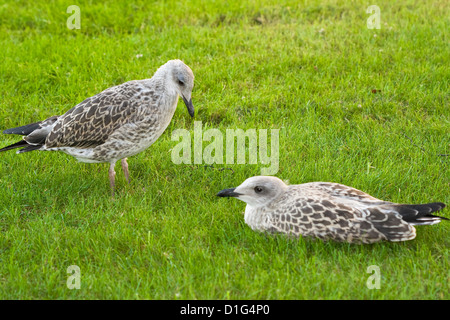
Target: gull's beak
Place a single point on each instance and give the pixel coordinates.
(228, 193)
(189, 106)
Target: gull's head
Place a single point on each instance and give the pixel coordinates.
(182, 80)
(257, 191)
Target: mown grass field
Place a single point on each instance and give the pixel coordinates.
(308, 68)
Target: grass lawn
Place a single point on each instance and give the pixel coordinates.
(364, 107)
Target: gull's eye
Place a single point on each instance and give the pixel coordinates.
(258, 189)
(180, 79)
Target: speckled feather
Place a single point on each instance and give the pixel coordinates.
(113, 123)
(91, 122)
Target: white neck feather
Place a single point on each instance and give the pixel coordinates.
(257, 218)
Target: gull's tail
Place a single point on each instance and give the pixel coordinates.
(34, 135)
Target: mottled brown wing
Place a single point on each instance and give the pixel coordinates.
(329, 218)
(343, 191)
(92, 121)
(325, 220)
(309, 213)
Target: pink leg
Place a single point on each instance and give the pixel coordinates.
(125, 169)
(112, 178)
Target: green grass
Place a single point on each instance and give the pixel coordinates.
(307, 68)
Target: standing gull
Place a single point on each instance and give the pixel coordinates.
(116, 123)
(328, 210)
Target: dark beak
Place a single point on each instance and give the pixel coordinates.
(228, 193)
(189, 106)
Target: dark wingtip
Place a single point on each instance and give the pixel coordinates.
(436, 206)
(421, 214)
(23, 130)
(20, 144)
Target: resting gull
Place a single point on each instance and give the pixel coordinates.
(117, 123)
(328, 211)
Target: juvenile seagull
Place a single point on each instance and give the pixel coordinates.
(328, 211)
(116, 123)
